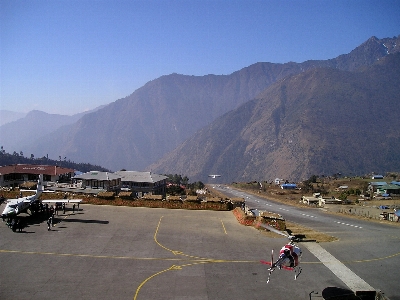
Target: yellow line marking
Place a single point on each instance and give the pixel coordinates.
(155, 239)
(175, 252)
(194, 261)
(173, 267)
(148, 278)
(375, 259)
(87, 255)
(356, 261)
(223, 226)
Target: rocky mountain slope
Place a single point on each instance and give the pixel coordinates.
(321, 121)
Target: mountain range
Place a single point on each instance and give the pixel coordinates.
(322, 121)
(142, 130)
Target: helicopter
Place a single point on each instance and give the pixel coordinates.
(289, 255)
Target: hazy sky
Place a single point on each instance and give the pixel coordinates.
(65, 56)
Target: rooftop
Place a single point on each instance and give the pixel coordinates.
(136, 176)
(34, 169)
(97, 175)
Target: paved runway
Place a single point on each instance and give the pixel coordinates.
(106, 252)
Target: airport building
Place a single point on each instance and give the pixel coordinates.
(142, 183)
(98, 180)
(63, 179)
(139, 183)
(14, 175)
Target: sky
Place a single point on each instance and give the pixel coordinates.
(67, 56)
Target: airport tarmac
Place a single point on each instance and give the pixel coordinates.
(107, 252)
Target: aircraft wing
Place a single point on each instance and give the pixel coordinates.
(34, 191)
(62, 201)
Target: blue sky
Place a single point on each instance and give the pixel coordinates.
(65, 56)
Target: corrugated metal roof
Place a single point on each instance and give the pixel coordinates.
(378, 183)
(97, 175)
(136, 176)
(390, 187)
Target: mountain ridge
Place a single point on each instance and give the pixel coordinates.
(135, 131)
(300, 126)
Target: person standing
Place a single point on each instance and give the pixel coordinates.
(48, 224)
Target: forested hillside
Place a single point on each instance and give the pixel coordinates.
(19, 158)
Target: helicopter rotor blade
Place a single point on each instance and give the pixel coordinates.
(270, 228)
(272, 257)
(272, 266)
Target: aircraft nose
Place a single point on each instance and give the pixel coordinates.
(6, 212)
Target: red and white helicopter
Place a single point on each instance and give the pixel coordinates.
(289, 255)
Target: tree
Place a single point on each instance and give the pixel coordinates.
(343, 196)
(313, 178)
(198, 185)
(185, 180)
(307, 186)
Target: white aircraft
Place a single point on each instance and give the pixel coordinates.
(214, 176)
(19, 205)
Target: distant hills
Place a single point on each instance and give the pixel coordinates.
(7, 116)
(136, 132)
(20, 131)
(17, 134)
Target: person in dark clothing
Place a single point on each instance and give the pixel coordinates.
(49, 223)
(14, 224)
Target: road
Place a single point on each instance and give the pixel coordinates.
(369, 249)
